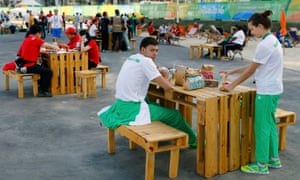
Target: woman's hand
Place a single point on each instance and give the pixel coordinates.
(226, 87)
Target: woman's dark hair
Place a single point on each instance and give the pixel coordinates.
(148, 41)
(87, 36)
(261, 18)
(33, 30)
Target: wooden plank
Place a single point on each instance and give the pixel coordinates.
(245, 112)
(234, 132)
(62, 73)
(211, 152)
(223, 135)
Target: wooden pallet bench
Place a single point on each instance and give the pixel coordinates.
(20, 77)
(198, 51)
(285, 118)
(149, 137)
(103, 70)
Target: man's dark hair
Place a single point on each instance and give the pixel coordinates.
(148, 41)
(33, 30)
(117, 12)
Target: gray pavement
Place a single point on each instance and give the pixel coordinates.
(60, 137)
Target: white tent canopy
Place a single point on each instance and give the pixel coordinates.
(28, 3)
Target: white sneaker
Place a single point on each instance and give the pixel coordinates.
(230, 54)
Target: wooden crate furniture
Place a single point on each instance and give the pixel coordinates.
(149, 137)
(192, 51)
(210, 48)
(224, 122)
(63, 66)
(133, 43)
(20, 77)
(86, 83)
(103, 70)
(285, 118)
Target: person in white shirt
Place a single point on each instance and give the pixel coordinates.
(131, 106)
(26, 19)
(163, 29)
(93, 29)
(56, 25)
(237, 41)
(267, 67)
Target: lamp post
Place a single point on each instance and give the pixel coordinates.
(177, 11)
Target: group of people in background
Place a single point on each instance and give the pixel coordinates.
(164, 32)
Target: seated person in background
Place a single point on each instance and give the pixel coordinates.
(131, 106)
(233, 30)
(163, 30)
(152, 31)
(90, 45)
(174, 32)
(284, 39)
(237, 41)
(29, 55)
(74, 39)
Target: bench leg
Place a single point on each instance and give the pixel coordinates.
(110, 140)
(93, 86)
(84, 87)
(20, 88)
(198, 53)
(191, 53)
(132, 145)
(78, 88)
(282, 138)
(211, 51)
(35, 85)
(149, 169)
(6, 82)
(174, 160)
(103, 78)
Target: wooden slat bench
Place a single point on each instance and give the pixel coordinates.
(198, 51)
(285, 118)
(103, 69)
(86, 82)
(20, 77)
(150, 137)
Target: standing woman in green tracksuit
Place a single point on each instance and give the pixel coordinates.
(267, 68)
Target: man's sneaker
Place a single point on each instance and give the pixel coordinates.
(255, 169)
(274, 164)
(44, 94)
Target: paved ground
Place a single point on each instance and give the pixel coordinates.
(60, 138)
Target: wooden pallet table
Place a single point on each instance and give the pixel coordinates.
(224, 121)
(224, 124)
(63, 66)
(211, 47)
